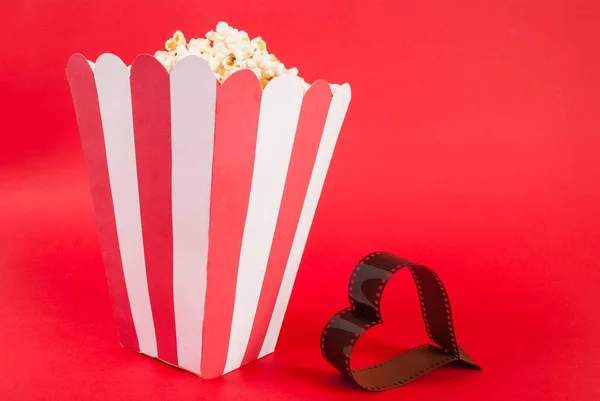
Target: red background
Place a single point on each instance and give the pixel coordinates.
(471, 146)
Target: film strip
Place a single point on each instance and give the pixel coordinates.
(365, 288)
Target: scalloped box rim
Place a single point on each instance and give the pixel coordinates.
(242, 71)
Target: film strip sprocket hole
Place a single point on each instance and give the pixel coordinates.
(365, 288)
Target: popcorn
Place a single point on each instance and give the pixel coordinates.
(227, 50)
(202, 45)
(177, 40)
(260, 44)
(223, 28)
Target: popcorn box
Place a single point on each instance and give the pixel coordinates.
(204, 195)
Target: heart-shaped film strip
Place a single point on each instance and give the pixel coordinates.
(367, 282)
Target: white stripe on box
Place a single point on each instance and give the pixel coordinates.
(279, 113)
(333, 124)
(193, 101)
(114, 98)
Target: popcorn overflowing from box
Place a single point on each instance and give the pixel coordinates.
(206, 163)
(227, 50)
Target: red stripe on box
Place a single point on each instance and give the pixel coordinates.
(150, 98)
(85, 99)
(236, 126)
(311, 122)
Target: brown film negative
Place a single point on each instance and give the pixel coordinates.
(365, 288)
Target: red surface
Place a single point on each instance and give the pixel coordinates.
(236, 127)
(152, 129)
(471, 145)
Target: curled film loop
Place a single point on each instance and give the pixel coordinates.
(365, 288)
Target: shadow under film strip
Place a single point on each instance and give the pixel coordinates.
(367, 282)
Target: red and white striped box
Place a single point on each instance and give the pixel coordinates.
(204, 195)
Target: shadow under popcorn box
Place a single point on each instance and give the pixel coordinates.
(204, 195)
